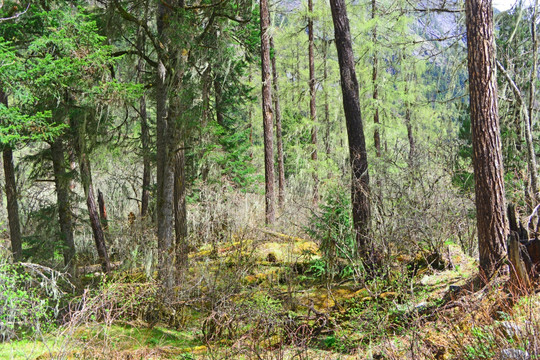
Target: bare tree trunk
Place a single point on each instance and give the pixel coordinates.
(12, 205)
(103, 212)
(326, 103)
(408, 124)
(145, 130)
(267, 113)
(86, 181)
(376, 121)
(492, 221)
(62, 182)
(279, 137)
(218, 100)
(180, 214)
(410, 135)
(533, 169)
(145, 142)
(72, 165)
(250, 117)
(165, 164)
(355, 132)
(11, 195)
(313, 103)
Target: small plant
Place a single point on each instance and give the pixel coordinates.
(483, 345)
(318, 268)
(29, 299)
(333, 228)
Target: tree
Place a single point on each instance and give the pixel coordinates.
(279, 135)
(361, 208)
(519, 73)
(61, 180)
(267, 113)
(376, 121)
(492, 221)
(12, 201)
(312, 101)
(165, 141)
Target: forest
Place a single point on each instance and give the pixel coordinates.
(292, 179)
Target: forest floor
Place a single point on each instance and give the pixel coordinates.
(274, 298)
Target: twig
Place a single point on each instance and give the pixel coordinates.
(16, 16)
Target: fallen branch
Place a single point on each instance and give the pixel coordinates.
(16, 16)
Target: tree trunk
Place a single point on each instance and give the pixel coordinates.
(218, 93)
(145, 142)
(62, 183)
(533, 169)
(492, 221)
(180, 218)
(165, 164)
(12, 205)
(103, 212)
(279, 137)
(312, 103)
(410, 135)
(326, 103)
(11, 195)
(267, 113)
(355, 132)
(408, 124)
(250, 118)
(376, 121)
(86, 181)
(145, 129)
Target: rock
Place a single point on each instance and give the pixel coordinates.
(513, 354)
(511, 330)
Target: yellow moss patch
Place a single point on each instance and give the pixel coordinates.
(306, 247)
(270, 275)
(195, 349)
(389, 295)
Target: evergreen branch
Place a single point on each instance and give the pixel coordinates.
(135, 52)
(131, 18)
(241, 21)
(207, 6)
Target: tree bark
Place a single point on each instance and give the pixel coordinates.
(355, 132)
(103, 212)
(180, 213)
(86, 181)
(279, 137)
(145, 142)
(533, 169)
(11, 195)
(313, 102)
(326, 103)
(218, 93)
(165, 162)
(408, 124)
(12, 204)
(492, 221)
(145, 129)
(62, 183)
(376, 121)
(267, 114)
